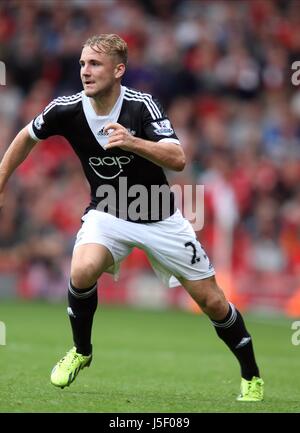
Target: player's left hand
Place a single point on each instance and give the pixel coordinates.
(119, 137)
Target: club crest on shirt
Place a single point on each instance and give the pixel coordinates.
(163, 127)
(39, 121)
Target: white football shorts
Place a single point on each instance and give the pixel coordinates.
(170, 245)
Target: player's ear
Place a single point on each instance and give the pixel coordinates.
(119, 70)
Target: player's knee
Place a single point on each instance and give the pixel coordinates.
(84, 275)
(215, 305)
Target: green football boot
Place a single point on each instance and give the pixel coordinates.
(252, 390)
(65, 371)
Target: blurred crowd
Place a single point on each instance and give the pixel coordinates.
(223, 71)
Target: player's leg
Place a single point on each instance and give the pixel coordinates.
(230, 327)
(89, 261)
(100, 246)
(173, 244)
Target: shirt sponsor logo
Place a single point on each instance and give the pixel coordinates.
(163, 127)
(112, 166)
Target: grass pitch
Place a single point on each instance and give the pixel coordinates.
(144, 361)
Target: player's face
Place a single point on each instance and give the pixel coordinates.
(99, 72)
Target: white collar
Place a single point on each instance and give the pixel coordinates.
(97, 123)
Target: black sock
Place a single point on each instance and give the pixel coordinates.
(81, 310)
(233, 332)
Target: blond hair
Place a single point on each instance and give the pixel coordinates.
(110, 44)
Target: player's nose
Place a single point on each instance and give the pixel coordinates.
(85, 71)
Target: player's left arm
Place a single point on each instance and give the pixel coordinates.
(164, 153)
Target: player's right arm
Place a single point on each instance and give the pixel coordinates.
(13, 157)
(42, 126)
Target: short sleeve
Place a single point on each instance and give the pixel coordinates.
(45, 124)
(156, 125)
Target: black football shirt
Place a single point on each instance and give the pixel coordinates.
(137, 183)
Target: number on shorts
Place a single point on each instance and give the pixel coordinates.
(194, 258)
